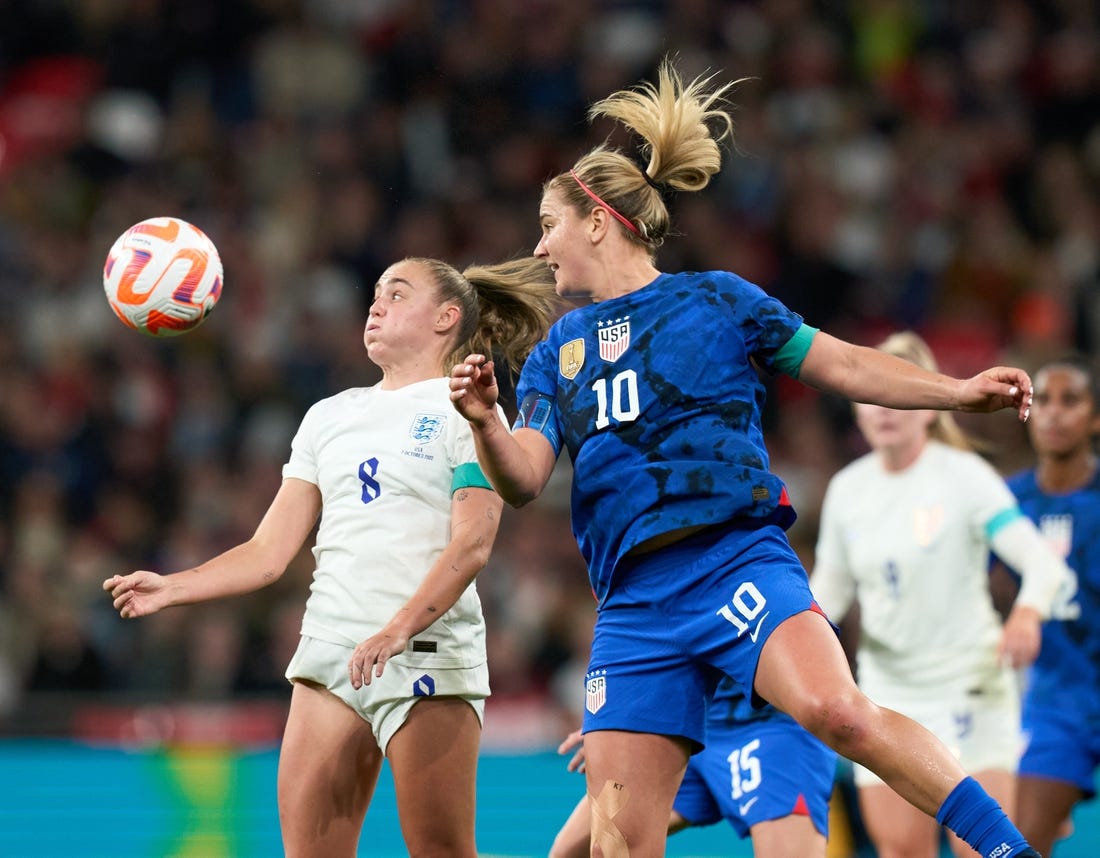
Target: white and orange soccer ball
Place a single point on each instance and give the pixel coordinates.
(162, 276)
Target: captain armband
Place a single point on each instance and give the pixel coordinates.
(537, 412)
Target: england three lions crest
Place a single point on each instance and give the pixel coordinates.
(614, 337)
(427, 427)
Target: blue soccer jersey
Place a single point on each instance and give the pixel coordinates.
(1067, 672)
(657, 400)
(1061, 711)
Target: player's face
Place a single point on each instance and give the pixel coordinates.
(404, 315)
(562, 243)
(898, 434)
(1064, 416)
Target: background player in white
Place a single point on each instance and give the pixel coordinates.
(653, 389)
(1061, 713)
(407, 522)
(906, 529)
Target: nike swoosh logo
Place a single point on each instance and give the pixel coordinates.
(747, 806)
(759, 623)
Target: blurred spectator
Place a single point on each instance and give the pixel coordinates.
(898, 164)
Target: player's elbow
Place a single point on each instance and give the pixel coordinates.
(518, 492)
(519, 499)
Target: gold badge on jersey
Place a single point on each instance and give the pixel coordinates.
(571, 358)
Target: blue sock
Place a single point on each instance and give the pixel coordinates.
(972, 814)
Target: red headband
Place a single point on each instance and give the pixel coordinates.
(604, 205)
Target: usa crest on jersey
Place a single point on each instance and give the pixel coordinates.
(614, 338)
(595, 693)
(1057, 530)
(427, 427)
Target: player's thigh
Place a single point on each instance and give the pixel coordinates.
(433, 757)
(896, 828)
(632, 780)
(328, 768)
(803, 671)
(790, 835)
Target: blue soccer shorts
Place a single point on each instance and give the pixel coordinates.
(756, 771)
(679, 618)
(1062, 744)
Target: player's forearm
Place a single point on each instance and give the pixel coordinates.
(1042, 572)
(240, 570)
(507, 464)
(863, 374)
(449, 577)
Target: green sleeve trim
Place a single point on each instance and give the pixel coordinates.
(789, 359)
(1001, 520)
(469, 476)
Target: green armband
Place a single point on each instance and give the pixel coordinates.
(469, 476)
(788, 359)
(1004, 517)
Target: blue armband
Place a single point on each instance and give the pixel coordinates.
(537, 412)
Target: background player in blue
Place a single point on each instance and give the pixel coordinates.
(760, 771)
(653, 388)
(1061, 714)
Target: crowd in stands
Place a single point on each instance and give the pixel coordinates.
(898, 164)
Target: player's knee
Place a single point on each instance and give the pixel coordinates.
(842, 720)
(607, 840)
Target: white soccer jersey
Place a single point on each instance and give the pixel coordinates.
(913, 548)
(386, 462)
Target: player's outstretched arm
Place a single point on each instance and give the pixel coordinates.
(864, 374)
(247, 567)
(518, 465)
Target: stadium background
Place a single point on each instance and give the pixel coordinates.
(900, 164)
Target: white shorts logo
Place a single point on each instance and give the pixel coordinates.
(595, 693)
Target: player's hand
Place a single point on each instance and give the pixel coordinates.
(138, 594)
(1020, 638)
(474, 388)
(997, 388)
(574, 740)
(370, 657)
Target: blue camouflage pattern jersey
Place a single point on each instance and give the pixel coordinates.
(656, 397)
(1066, 676)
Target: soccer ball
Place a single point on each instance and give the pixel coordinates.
(162, 277)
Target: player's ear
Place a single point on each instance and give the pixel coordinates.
(598, 223)
(448, 317)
